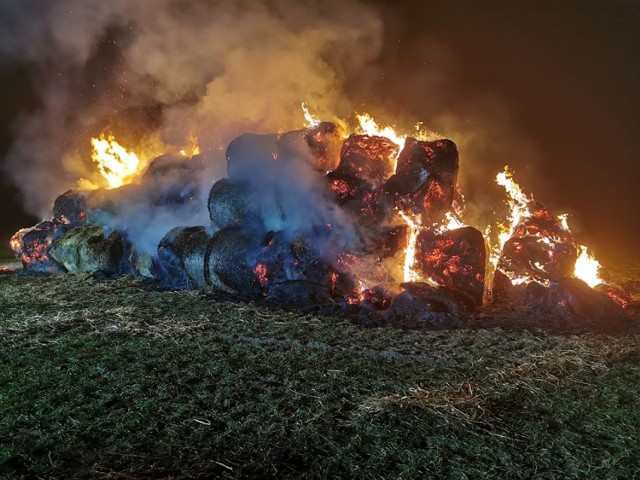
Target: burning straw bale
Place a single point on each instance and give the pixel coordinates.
(32, 246)
(70, 208)
(368, 158)
(171, 180)
(228, 268)
(454, 259)
(425, 178)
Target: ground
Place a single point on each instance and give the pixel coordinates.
(114, 379)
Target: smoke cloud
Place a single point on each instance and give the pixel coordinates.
(162, 71)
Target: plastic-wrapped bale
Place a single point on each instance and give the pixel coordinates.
(454, 259)
(87, 249)
(70, 208)
(183, 258)
(231, 204)
(32, 246)
(425, 179)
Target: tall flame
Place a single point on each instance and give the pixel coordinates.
(311, 120)
(368, 126)
(518, 203)
(116, 164)
(409, 274)
(587, 268)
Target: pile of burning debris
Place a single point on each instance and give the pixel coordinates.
(364, 222)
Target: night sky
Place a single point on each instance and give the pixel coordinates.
(564, 75)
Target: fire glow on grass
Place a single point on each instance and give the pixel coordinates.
(116, 164)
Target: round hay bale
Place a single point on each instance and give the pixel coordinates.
(87, 249)
(182, 253)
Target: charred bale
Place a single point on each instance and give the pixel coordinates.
(369, 158)
(421, 305)
(70, 208)
(368, 207)
(325, 141)
(454, 259)
(388, 241)
(376, 298)
(231, 204)
(571, 304)
(32, 246)
(182, 254)
(538, 258)
(425, 179)
(88, 248)
(299, 294)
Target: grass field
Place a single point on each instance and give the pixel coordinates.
(116, 380)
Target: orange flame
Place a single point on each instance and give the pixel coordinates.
(310, 120)
(116, 164)
(193, 148)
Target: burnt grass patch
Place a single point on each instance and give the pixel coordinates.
(113, 379)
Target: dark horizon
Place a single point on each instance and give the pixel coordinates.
(554, 84)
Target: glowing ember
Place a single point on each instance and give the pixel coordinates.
(587, 268)
(311, 120)
(261, 272)
(116, 164)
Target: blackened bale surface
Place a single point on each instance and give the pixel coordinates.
(425, 179)
(88, 249)
(231, 204)
(70, 208)
(325, 141)
(423, 306)
(454, 258)
(574, 303)
(183, 257)
(369, 158)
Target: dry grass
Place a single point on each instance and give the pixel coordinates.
(118, 380)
